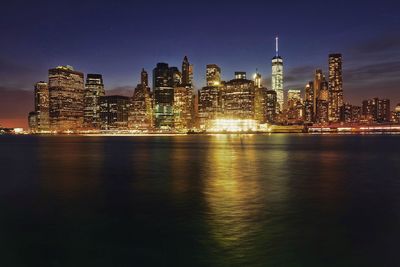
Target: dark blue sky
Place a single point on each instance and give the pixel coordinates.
(118, 38)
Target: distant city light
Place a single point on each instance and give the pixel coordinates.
(233, 125)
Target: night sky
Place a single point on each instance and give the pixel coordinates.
(118, 38)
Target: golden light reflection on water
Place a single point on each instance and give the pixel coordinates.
(238, 187)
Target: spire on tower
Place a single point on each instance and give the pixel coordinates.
(277, 45)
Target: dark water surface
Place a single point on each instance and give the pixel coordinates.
(280, 200)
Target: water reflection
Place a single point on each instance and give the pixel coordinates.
(240, 183)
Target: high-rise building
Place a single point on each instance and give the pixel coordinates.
(213, 75)
(144, 78)
(369, 110)
(397, 114)
(94, 89)
(32, 122)
(209, 104)
(258, 80)
(318, 79)
(295, 110)
(187, 72)
(176, 76)
(183, 108)
(294, 95)
(42, 106)
(383, 109)
(164, 81)
(277, 77)
(66, 98)
(238, 98)
(141, 114)
(322, 115)
(270, 106)
(335, 87)
(376, 110)
(309, 103)
(350, 113)
(114, 112)
(240, 75)
(260, 104)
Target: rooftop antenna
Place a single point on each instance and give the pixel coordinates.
(277, 45)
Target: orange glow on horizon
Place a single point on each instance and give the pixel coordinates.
(14, 123)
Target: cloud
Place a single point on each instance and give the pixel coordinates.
(374, 72)
(19, 76)
(386, 43)
(377, 48)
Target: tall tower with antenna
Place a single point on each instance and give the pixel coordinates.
(277, 76)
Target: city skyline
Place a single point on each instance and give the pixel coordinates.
(369, 46)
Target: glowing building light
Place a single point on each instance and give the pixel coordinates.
(233, 125)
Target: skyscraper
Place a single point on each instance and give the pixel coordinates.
(350, 113)
(321, 98)
(42, 106)
(376, 110)
(277, 77)
(258, 80)
(240, 75)
(144, 78)
(213, 75)
(94, 89)
(142, 109)
(114, 112)
(164, 80)
(183, 108)
(335, 87)
(66, 98)
(294, 106)
(318, 78)
(238, 97)
(309, 103)
(270, 106)
(187, 72)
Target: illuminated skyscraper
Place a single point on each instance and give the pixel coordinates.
(277, 77)
(144, 78)
(210, 97)
(376, 110)
(66, 98)
(240, 75)
(270, 105)
(141, 113)
(260, 109)
(350, 113)
(321, 98)
(164, 81)
(187, 72)
(238, 98)
(294, 106)
(397, 114)
(94, 89)
(383, 109)
(309, 103)
(42, 106)
(335, 87)
(209, 104)
(176, 76)
(258, 80)
(213, 75)
(114, 112)
(318, 78)
(183, 108)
